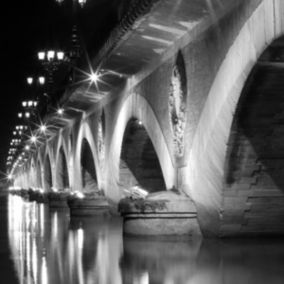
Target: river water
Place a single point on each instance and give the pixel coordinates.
(42, 246)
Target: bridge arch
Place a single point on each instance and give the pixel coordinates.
(70, 156)
(70, 142)
(62, 172)
(206, 166)
(48, 180)
(39, 172)
(33, 172)
(139, 164)
(25, 176)
(86, 160)
(88, 169)
(62, 169)
(135, 106)
(255, 154)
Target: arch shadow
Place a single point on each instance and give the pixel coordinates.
(86, 169)
(48, 182)
(206, 159)
(136, 106)
(139, 164)
(62, 173)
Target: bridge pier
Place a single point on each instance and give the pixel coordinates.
(58, 199)
(173, 118)
(88, 206)
(39, 196)
(160, 214)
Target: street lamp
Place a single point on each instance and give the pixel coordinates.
(60, 111)
(94, 77)
(80, 2)
(41, 55)
(50, 59)
(98, 75)
(25, 114)
(30, 80)
(40, 80)
(21, 127)
(51, 55)
(60, 55)
(42, 128)
(29, 104)
(76, 49)
(15, 142)
(33, 139)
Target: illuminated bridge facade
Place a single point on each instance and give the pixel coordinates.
(189, 100)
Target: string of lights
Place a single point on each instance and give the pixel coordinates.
(28, 136)
(40, 125)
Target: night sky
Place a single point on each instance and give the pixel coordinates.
(30, 25)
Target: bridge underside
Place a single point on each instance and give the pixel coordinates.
(186, 105)
(255, 158)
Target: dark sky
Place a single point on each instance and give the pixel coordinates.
(30, 25)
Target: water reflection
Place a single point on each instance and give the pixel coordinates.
(160, 261)
(49, 248)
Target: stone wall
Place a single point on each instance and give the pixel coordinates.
(217, 63)
(254, 192)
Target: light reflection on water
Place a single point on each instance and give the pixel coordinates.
(49, 248)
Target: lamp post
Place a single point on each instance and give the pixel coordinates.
(29, 109)
(32, 80)
(75, 50)
(80, 2)
(51, 59)
(75, 44)
(35, 88)
(20, 130)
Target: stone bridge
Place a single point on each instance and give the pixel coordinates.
(189, 99)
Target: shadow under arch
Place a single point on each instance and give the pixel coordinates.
(33, 173)
(69, 142)
(101, 137)
(88, 169)
(206, 159)
(255, 156)
(62, 175)
(139, 164)
(137, 106)
(38, 175)
(85, 142)
(48, 183)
